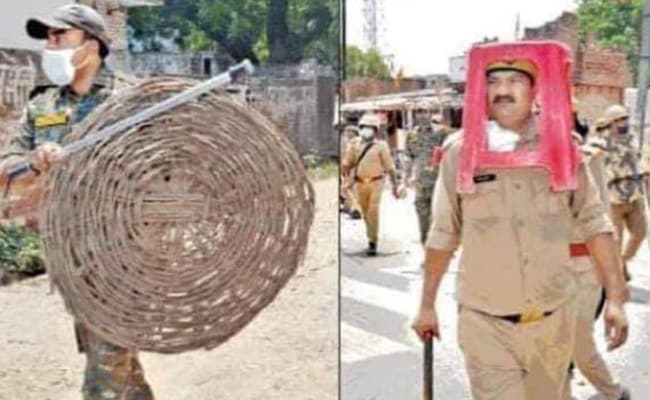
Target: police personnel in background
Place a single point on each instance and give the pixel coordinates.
(73, 60)
(369, 160)
(517, 316)
(601, 127)
(348, 198)
(590, 291)
(420, 144)
(625, 183)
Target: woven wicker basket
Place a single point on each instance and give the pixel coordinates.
(176, 233)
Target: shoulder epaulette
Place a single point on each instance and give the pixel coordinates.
(451, 140)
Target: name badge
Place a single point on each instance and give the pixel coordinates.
(48, 120)
(485, 178)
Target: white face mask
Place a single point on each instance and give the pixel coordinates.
(58, 67)
(367, 133)
(501, 139)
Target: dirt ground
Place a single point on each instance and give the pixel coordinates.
(289, 352)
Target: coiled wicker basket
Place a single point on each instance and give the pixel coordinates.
(175, 234)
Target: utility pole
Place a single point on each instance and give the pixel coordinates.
(643, 77)
(370, 24)
(343, 40)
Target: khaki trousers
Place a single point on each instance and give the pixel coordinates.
(525, 361)
(585, 354)
(630, 216)
(369, 197)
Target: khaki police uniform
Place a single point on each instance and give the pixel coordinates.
(348, 196)
(369, 176)
(585, 354)
(517, 297)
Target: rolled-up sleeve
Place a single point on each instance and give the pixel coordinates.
(590, 214)
(445, 230)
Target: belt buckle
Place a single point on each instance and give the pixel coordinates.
(531, 315)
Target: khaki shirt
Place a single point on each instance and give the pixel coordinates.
(376, 162)
(594, 160)
(515, 234)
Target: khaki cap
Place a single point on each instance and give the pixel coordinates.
(372, 120)
(525, 66)
(601, 123)
(615, 112)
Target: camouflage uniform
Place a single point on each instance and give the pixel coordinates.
(626, 192)
(112, 372)
(420, 144)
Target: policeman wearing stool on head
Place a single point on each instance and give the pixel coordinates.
(516, 322)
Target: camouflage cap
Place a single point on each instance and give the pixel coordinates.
(72, 16)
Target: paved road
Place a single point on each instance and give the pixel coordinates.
(381, 359)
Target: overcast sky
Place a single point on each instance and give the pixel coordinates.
(423, 34)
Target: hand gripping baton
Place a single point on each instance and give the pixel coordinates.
(427, 389)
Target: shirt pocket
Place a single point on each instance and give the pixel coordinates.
(486, 202)
(548, 202)
(553, 211)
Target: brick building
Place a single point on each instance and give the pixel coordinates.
(600, 76)
(358, 88)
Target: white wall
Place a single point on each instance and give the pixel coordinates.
(457, 69)
(630, 103)
(13, 17)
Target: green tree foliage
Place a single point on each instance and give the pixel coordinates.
(365, 64)
(21, 251)
(615, 24)
(279, 31)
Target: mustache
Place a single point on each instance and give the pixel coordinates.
(503, 99)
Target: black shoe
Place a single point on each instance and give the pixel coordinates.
(372, 249)
(355, 214)
(625, 395)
